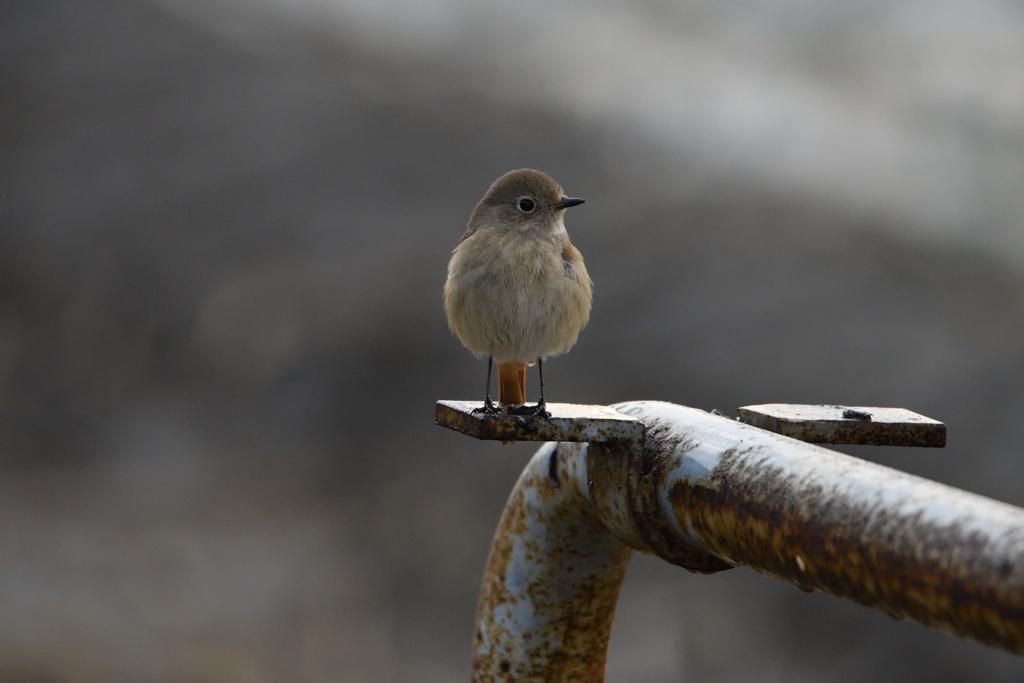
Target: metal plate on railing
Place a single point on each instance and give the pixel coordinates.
(847, 424)
(568, 422)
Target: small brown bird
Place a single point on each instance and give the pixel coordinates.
(517, 289)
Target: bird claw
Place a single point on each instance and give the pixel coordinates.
(488, 408)
(529, 412)
(524, 414)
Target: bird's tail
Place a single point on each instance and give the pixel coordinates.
(512, 383)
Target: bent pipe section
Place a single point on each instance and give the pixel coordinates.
(707, 493)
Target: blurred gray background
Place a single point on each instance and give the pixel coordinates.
(224, 227)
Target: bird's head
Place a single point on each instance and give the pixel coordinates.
(523, 200)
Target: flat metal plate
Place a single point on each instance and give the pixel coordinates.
(827, 424)
(569, 422)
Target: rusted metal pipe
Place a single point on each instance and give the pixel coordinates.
(708, 493)
(552, 578)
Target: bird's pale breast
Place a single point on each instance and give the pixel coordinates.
(517, 299)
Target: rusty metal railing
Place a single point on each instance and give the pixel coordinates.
(708, 493)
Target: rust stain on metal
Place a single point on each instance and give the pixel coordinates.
(608, 485)
(663, 452)
(847, 425)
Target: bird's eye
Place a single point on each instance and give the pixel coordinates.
(526, 205)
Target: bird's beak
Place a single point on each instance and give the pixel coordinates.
(566, 202)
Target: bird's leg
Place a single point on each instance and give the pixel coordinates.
(542, 410)
(488, 407)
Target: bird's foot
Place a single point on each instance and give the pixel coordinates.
(530, 412)
(488, 408)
